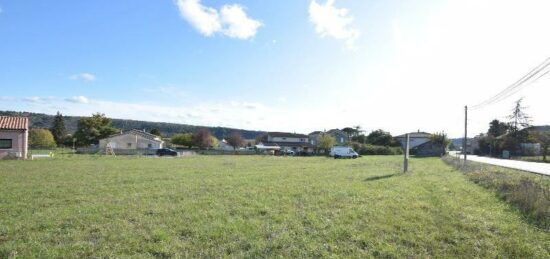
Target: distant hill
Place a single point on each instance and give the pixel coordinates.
(40, 120)
(541, 128)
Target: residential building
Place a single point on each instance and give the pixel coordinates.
(420, 144)
(341, 137)
(14, 137)
(415, 139)
(298, 143)
(131, 140)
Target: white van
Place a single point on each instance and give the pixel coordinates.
(343, 152)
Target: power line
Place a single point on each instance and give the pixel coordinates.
(516, 86)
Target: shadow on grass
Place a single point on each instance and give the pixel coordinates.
(380, 177)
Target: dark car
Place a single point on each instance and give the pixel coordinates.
(166, 152)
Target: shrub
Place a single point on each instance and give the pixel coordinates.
(41, 138)
(379, 150)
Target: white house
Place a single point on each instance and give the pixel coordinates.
(133, 139)
(415, 139)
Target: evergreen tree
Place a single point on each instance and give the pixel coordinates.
(58, 129)
(92, 129)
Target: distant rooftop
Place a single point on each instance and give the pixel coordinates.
(14, 123)
(286, 135)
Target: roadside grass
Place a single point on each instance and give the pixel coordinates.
(253, 206)
(528, 192)
(537, 159)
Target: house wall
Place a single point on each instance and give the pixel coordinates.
(135, 141)
(430, 149)
(19, 143)
(286, 139)
(413, 142)
(341, 138)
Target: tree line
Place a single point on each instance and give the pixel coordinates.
(509, 135)
(92, 129)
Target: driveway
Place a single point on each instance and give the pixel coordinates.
(539, 168)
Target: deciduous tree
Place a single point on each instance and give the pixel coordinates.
(41, 138)
(202, 138)
(235, 140)
(325, 141)
(183, 140)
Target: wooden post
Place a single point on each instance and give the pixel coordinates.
(465, 142)
(406, 159)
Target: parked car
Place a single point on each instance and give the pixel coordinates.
(290, 153)
(166, 152)
(343, 152)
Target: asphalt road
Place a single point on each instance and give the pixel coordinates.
(539, 168)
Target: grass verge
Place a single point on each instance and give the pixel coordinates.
(528, 192)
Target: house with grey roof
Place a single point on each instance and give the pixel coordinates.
(341, 137)
(298, 143)
(132, 140)
(14, 137)
(420, 144)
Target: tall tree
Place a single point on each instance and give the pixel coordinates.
(381, 138)
(352, 132)
(235, 140)
(519, 119)
(91, 129)
(497, 128)
(202, 138)
(544, 139)
(58, 129)
(41, 138)
(440, 139)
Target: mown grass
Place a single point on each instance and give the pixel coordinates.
(251, 206)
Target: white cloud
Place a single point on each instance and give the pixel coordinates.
(204, 19)
(238, 24)
(37, 99)
(78, 99)
(83, 76)
(32, 99)
(333, 22)
(231, 20)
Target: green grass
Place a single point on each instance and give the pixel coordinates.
(528, 192)
(252, 206)
(537, 159)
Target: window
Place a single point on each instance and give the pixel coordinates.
(129, 144)
(341, 140)
(5, 143)
(150, 145)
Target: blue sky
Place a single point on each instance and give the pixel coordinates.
(273, 65)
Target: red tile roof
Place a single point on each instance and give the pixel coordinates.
(14, 123)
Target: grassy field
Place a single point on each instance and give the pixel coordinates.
(251, 206)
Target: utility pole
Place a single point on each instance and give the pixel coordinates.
(465, 142)
(406, 159)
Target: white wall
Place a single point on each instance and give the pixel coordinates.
(130, 141)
